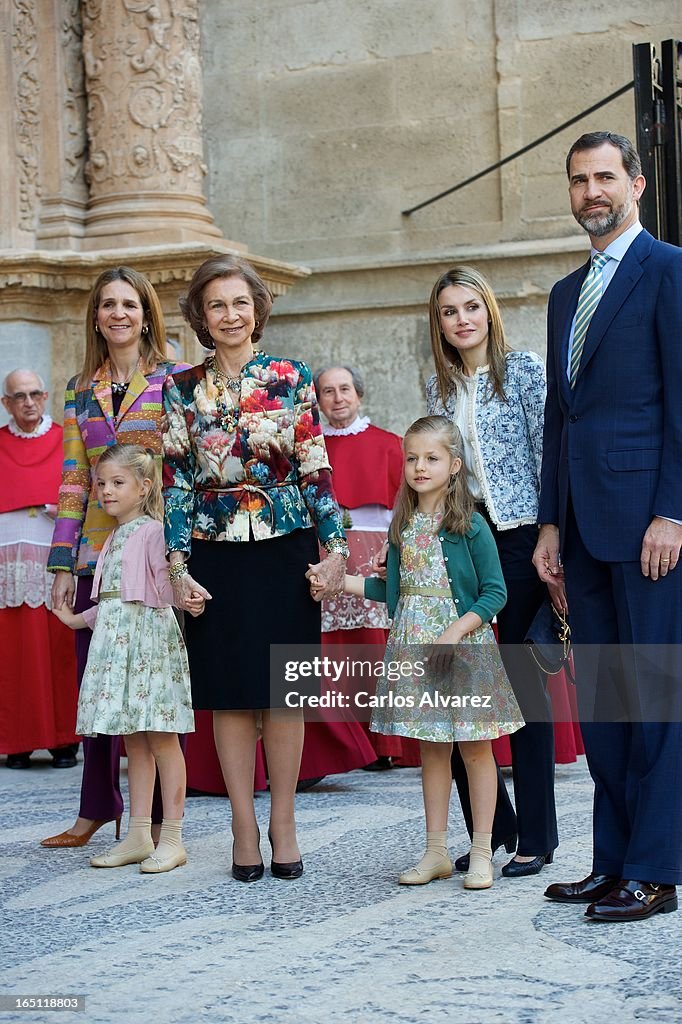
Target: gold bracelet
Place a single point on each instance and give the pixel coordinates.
(337, 546)
(177, 571)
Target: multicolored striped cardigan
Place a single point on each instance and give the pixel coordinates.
(90, 427)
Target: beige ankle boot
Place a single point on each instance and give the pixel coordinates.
(135, 847)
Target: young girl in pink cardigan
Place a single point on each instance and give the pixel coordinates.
(136, 682)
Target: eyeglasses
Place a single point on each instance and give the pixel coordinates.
(22, 397)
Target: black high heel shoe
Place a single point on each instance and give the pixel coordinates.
(247, 872)
(519, 869)
(290, 870)
(462, 863)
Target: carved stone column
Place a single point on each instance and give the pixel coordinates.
(64, 193)
(144, 95)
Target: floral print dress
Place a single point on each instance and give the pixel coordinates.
(428, 707)
(137, 676)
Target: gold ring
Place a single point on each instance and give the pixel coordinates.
(665, 561)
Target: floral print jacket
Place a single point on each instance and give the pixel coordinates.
(267, 473)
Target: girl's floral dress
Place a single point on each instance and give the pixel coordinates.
(137, 676)
(413, 705)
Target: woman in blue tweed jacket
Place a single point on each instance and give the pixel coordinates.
(496, 397)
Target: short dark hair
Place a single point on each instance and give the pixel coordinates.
(593, 140)
(192, 304)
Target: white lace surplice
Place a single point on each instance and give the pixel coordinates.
(25, 538)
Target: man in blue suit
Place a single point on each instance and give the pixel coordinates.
(610, 509)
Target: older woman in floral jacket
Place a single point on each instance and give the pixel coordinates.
(246, 479)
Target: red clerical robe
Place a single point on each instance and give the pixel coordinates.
(38, 690)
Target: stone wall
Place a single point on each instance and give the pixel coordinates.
(320, 121)
(323, 120)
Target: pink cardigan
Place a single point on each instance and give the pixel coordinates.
(144, 572)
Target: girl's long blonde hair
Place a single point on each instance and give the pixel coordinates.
(142, 464)
(458, 504)
(447, 360)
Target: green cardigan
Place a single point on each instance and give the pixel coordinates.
(473, 567)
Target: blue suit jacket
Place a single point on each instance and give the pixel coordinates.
(615, 441)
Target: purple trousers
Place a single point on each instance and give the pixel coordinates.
(101, 798)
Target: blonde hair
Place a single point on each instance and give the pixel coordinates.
(142, 464)
(458, 504)
(153, 340)
(447, 359)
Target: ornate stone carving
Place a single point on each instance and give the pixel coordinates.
(71, 32)
(25, 45)
(144, 96)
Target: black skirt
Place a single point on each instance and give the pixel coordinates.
(260, 596)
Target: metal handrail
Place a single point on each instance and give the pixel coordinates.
(521, 152)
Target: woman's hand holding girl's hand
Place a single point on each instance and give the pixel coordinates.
(326, 578)
(378, 563)
(189, 595)
(68, 617)
(63, 590)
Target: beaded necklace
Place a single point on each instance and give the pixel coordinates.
(226, 406)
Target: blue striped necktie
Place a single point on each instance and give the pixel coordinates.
(590, 294)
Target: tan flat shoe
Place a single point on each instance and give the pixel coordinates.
(111, 859)
(480, 878)
(153, 866)
(421, 876)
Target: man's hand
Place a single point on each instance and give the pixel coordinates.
(660, 548)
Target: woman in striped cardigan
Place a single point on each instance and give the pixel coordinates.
(115, 399)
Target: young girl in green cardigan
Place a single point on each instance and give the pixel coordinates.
(443, 586)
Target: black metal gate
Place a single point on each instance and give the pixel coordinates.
(658, 111)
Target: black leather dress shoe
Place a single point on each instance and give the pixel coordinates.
(633, 901)
(520, 868)
(382, 764)
(64, 761)
(18, 761)
(462, 863)
(305, 784)
(592, 888)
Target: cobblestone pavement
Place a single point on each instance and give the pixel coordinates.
(344, 943)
